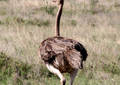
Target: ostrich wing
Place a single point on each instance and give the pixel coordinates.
(53, 47)
(74, 58)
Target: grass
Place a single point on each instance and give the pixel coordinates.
(19, 72)
(49, 9)
(23, 26)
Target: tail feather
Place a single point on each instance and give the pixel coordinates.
(82, 50)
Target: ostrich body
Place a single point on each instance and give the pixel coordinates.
(62, 55)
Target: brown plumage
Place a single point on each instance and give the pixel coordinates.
(69, 53)
(62, 54)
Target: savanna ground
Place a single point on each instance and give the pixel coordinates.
(26, 23)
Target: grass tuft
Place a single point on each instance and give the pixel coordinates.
(73, 23)
(49, 9)
(20, 71)
(112, 68)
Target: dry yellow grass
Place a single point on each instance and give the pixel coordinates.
(25, 23)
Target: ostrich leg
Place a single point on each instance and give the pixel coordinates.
(72, 76)
(57, 72)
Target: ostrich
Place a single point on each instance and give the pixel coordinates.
(62, 55)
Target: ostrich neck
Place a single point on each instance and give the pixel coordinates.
(58, 17)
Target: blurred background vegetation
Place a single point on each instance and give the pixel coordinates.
(26, 23)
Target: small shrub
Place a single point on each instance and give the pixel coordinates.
(3, 0)
(23, 69)
(38, 22)
(20, 71)
(73, 23)
(19, 20)
(112, 68)
(33, 22)
(43, 23)
(1, 22)
(9, 66)
(93, 4)
(8, 20)
(118, 58)
(49, 10)
(6, 64)
(116, 4)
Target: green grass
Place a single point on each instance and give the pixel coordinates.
(17, 20)
(49, 9)
(19, 72)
